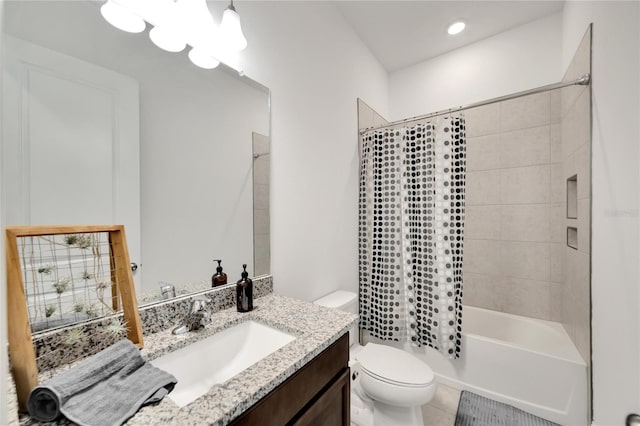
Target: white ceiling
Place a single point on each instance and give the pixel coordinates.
(403, 33)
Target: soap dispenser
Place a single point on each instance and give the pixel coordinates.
(219, 278)
(244, 292)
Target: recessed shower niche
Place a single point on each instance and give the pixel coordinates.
(572, 197)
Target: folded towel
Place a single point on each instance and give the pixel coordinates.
(104, 389)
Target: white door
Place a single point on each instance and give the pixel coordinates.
(70, 143)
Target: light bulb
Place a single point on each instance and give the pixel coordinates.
(166, 39)
(203, 59)
(456, 28)
(199, 26)
(121, 17)
(230, 30)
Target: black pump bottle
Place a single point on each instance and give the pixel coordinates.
(219, 278)
(244, 292)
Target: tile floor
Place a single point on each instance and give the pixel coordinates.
(441, 411)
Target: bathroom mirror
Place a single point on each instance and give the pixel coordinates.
(90, 110)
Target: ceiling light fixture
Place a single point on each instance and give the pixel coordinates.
(456, 28)
(178, 23)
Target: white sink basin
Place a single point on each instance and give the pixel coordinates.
(219, 357)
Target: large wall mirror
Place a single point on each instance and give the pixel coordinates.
(100, 126)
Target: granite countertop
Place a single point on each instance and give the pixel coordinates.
(315, 328)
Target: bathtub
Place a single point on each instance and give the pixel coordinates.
(528, 363)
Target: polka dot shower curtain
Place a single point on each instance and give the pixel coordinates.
(411, 223)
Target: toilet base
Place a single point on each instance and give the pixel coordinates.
(365, 412)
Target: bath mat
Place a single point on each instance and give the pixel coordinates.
(476, 410)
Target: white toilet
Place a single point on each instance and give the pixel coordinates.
(388, 385)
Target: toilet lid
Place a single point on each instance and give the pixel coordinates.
(394, 365)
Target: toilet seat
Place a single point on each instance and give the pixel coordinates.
(395, 377)
(393, 382)
(394, 366)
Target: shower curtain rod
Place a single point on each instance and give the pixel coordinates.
(582, 81)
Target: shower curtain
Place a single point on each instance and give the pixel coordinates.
(411, 222)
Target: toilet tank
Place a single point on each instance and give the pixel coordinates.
(345, 301)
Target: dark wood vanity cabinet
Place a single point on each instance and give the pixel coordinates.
(317, 394)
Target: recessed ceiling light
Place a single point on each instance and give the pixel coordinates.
(456, 28)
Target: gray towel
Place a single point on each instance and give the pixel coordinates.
(104, 389)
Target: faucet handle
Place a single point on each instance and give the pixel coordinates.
(199, 303)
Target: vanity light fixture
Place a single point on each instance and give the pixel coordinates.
(230, 29)
(178, 23)
(456, 27)
(202, 59)
(166, 39)
(121, 17)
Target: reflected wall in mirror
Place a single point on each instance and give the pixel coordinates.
(100, 126)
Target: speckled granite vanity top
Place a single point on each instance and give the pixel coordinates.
(315, 328)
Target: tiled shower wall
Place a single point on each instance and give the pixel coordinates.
(575, 156)
(261, 208)
(513, 234)
(520, 155)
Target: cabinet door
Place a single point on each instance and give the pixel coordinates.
(297, 394)
(332, 408)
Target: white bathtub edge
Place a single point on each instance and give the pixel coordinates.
(547, 413)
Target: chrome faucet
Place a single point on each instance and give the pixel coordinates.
(197, 318)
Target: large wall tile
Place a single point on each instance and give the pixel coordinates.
(582, 118)
(526, 147)
(483, 120)
(482, 256)
(488, 291)
(557, 184)
(527, 111)
(556, 223)
(261, 222)
(483, 187)
(569, 291)
(555, 302)
(582, 160)
(576, 124)
(568, 96)
(584, 225)
(555, 143)
(483, 153)
(526, 222)
(482, 222)
(526, 260)
(581, 298)
(529, 298)
(260, 196)
(556, 259)
(555, 107)
(526, 185)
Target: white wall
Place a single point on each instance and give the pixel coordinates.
(316, 67)
(615, 191)
(519, 59)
